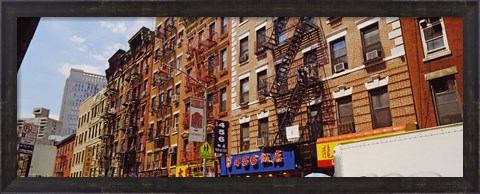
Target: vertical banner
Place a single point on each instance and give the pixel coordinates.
(27, 141)
(197, 125)
(88, 161)
(221, 136)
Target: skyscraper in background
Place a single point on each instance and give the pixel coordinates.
(78, 87)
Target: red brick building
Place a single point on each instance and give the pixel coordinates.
(434, 50)
(63, 160)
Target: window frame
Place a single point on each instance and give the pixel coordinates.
(222, 101)
(373, 109)
(438, 52)
(338, 58)
(244, 92)
(452, 90)
(243, 49)
(372, 47)
(244, 142)
(341, 102)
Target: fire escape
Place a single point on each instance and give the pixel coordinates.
(108, 117)
(205, 69)
(297, 82)
(166, 54)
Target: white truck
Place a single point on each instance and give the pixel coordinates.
(432, 152)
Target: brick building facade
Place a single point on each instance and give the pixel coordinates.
(435, 56)
(63, 160)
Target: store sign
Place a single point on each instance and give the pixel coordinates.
(325, 150)
(195, 170)
(256, 162)
(88, 161)
(221, 136)
(197, 125)
(27, 140)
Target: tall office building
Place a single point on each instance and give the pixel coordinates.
(78, 87)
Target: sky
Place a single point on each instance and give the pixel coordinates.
(60, 44)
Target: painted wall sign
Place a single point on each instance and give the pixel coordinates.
(256, 162)
(221, 136)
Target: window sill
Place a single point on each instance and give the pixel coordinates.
(240, 24)
(437, 55)
(243, 62)
(174, 133)
(173, 166)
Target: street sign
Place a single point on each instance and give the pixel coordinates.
(206, 151)
(221, 136)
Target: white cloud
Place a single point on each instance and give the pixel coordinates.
(54, 116)
(107, 52)
(120, 27)
(65, 69)
(82, 48)
(77, 39)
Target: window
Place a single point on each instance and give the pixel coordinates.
(175, 123)
(179, 65)
(164, 158)
(210, 105)
(262, 84)
(153, 102)
(244, 87)
(169, 96)
(150, 131)
(243, 50)
(167, 125)
(161, 100)
(263, 128)
(200, 35)
(211, 65)
(433, 35)
(223, 99)
(145, 85)
(223, 53)
(371, 43)
(280, 29)
(242, 19)
(156, 158)
(159, 128)
(446, 100)
(339, 55)
(380, 108)
(173, 159)
(211, 28)
(177, 89)
(224, 25)
(345, 115)
(260, 40)
(149, 157)
(245, 133)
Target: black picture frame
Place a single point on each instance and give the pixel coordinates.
(11, 10)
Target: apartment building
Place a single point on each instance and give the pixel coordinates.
(63, 160)
(434, 47)
(207, 55)
(87, 151)
(299, 79)
(78, 87)
(128, 94)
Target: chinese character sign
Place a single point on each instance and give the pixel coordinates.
(257, 162)
(221, 136)
(197, 107)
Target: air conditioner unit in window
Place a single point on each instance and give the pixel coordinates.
(176, 98)
(171, 150)
(261, 142)
(244, 57)
(179, 42)
(373, 55)
(339, 67)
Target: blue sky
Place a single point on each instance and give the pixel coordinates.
(63, 43)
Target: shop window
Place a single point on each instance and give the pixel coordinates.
(380, 108)
(339, 55)
(245, 140)
(345, 115)
(244, 90)
(372, 48)
(446, 100)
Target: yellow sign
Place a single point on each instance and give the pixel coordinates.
(192, 170)
(206, 151)
(325, 150)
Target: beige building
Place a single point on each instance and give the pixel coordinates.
(87, 150)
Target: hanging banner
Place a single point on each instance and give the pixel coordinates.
(27, 140)
(197, 125)
(221, 136)
(88, 161)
